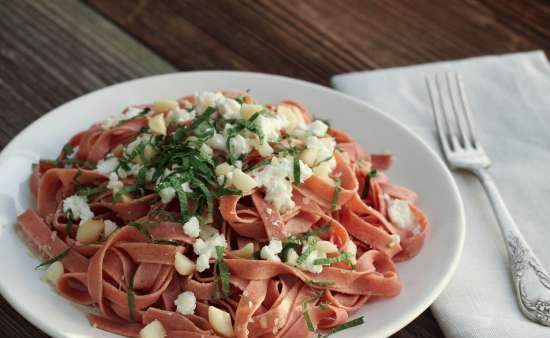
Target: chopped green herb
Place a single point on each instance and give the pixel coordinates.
(131, 297)
(256, 255)
(343, 256)
(124, 190)
(321, 282)
(143, 228)
(258, 165)
(319, 230)
(70, 221)
(305, 254)
(167, 242)
(68, 149)
(337, 190)
(307, 317)
(221, 275)
(296, 169)
(347, 325)
(90, 191)
(373, 173)
(54, 259)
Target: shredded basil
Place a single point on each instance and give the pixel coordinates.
(68, 149)
(131, 297)
(335, 196)
(343, 256)
(306, 315)
(296, 169)
(347, 325)
(258, 165)
(90, 191)
(305, 254)
(321, 282)
(54, 259)
(221, 275)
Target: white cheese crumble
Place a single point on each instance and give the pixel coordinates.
(318, 128)
(79, 208)
(308, 265)
(206, 99)
(229, 108)
(238, 146)
(192, 228)
(112, 121)
(167, 194)
(114, 182)
(180, 116)
(323, 148)
(269, 252)
(206, 249)
(107, 166)
(217, 141)
(277, 179)
(185, 187)
(400, 214)
(144, 138)
(186, 303)
(271, 126)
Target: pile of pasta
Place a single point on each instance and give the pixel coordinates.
(159, 222)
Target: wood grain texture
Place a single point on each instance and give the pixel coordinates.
(54, 51)
(314, 40)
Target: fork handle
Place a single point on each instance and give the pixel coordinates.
(530, 280)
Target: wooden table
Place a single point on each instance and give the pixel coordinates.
(54, 51)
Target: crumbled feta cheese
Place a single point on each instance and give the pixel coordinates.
(107, 166)
(400, 214)
(270, 251)
(206, 99)
(186, 303)
(308, 265)
(229, 108)
(114, 182)
(277, 179)
(109, 228)
(79, 208)
(238, 164)
(202, 263)
(323, 148)
(239, 146)
(167, 194)
(271, 126)
(206, 249)
(192, 228)
(144, 138)
(318, 128)
(185, 187)
(305, 171)
(292, 257)
(149, 174)
(180, 116)
(129, 113)
(325, 168)
(351, 248)
(217, 141)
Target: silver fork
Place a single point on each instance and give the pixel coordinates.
(463, 151)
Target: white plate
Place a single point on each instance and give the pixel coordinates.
(417, 167)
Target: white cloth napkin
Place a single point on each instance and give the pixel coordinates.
(510, 98)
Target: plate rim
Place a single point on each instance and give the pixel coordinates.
(415, 310)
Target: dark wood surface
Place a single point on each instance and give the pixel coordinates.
(54, 51)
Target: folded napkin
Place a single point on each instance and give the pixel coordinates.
(510, 98)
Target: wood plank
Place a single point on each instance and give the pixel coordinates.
(314, 40)
(54, 51)
(50, 53)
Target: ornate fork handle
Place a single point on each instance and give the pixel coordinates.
(529, 277)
